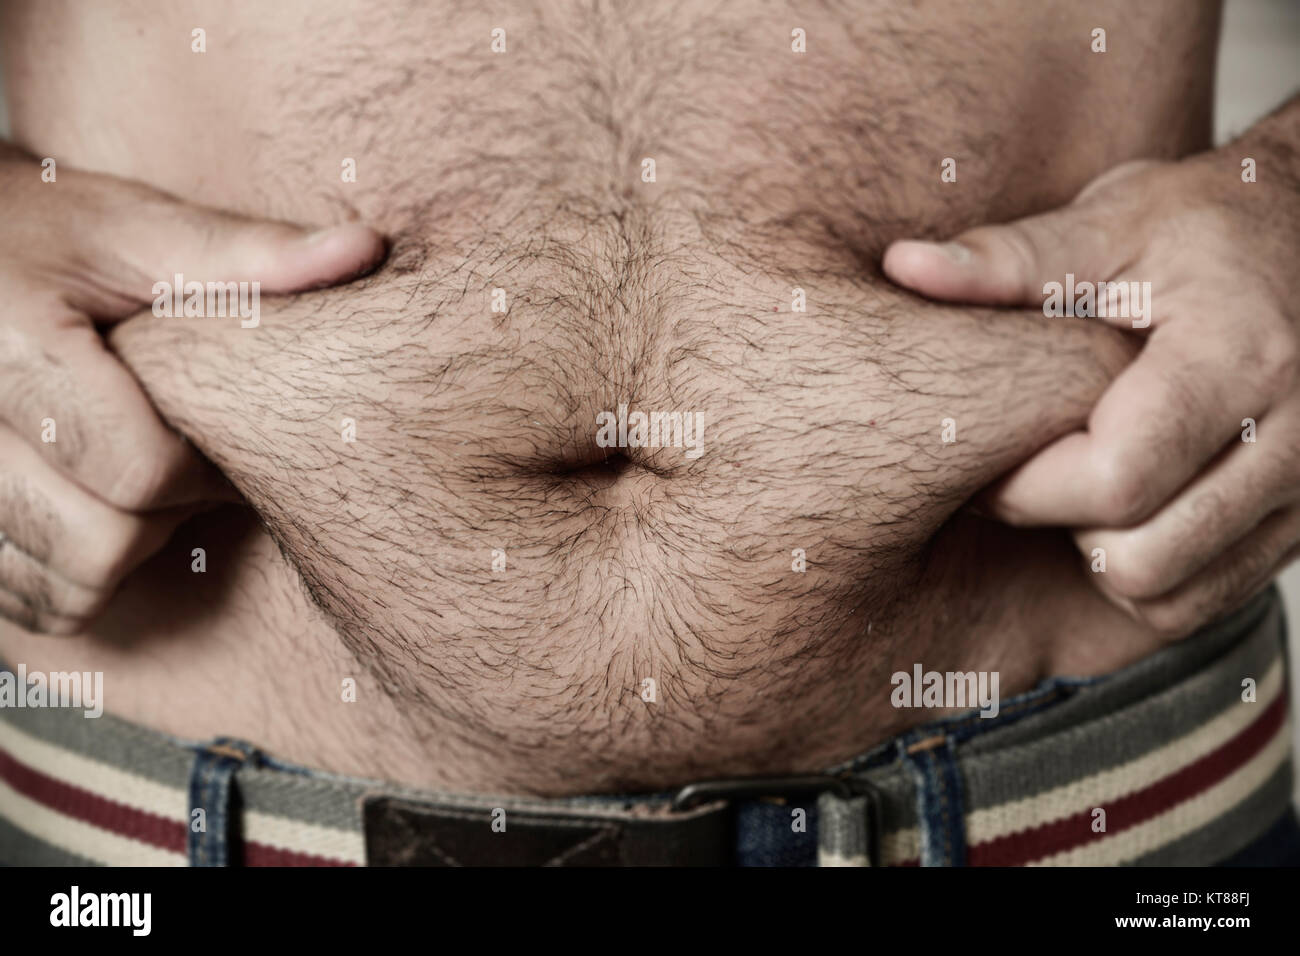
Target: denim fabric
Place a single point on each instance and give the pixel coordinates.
(766, 836)
(941, 805)
(211, 790)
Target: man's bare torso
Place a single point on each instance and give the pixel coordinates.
(381, 560)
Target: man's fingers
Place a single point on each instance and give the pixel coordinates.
(17, 610)
(1225, 583)
(68, 397)
(204, 245)
(1220, 508)
(67, 530)
(1160, 421)
(132, 237)
(37, 598)
(209, 246)
(1010, 264)
(1094, 238)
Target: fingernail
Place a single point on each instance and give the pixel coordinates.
(956, 252)
(318, 236)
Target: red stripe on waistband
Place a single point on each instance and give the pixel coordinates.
(1026, 846)
(122, 820)
(259, 854)
(88, 807)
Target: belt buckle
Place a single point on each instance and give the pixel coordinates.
(756, 788)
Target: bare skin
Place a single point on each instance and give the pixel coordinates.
(476, 431)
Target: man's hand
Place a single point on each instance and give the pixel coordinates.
(1193, 516)
(92, 481)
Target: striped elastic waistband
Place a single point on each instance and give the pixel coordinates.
(1181, 759)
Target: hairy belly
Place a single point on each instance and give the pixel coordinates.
(522, 575)
(429, 447)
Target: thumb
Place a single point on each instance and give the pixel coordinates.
(156, 240)
(1009, 264)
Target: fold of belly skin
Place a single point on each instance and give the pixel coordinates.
(432, 470)
(499, 579)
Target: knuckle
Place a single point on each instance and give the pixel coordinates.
(1189, 402)
(23, 611)
(30, 519)
(1213, 594)
(43, 593)
(24, 577)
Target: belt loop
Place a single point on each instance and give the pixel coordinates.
(940, 799)
(844, 830)
(213, 816)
